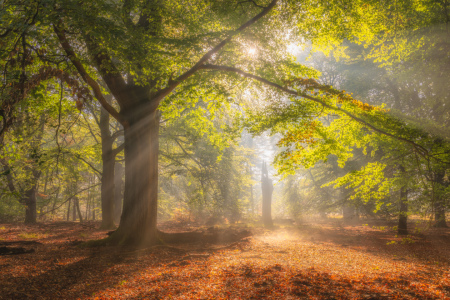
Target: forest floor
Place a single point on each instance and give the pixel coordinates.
(329, 260)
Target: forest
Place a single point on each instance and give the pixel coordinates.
(224, 149)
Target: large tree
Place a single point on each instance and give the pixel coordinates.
(156, 54)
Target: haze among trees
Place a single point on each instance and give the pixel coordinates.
(165, 122)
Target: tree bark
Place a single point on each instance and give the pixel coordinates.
(108, 159)
(30, 202)
(118, 194)
(439, 201)
(403, 213)
(30, 195)
(267, 190)
(138, 220)
(77, 202)
(68, 210)
(74, 209)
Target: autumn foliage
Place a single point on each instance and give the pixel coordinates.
(306, 261)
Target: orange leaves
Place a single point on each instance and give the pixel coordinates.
(309, 85)
(302, 134)
(281, 264)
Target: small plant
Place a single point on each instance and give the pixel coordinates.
(407, 240)
(123, 282)
(391, 243)
(382, 228)
(26, 235)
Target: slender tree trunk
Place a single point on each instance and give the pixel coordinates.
(74, 209)
(77, 205)
(439, 200)
(88, 201)
(138, 221)
(118, 194)
(93, 204)
(252, 204)
(55, 201)
(403, 213)
(267, 190)
(68, 210)
(108, 159)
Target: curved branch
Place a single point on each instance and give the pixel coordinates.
(295, 93)
(78, 156)
(118, 149)
(198, 66)
(71, 197)
(88, 79)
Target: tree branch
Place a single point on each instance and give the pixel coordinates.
(422, 151)
(108, 71)
(78, 156)
(174, 83)
(88, 79)
(118, 149)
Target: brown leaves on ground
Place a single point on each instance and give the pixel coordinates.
(326, 261)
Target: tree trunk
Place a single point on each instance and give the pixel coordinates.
(88, 201)
(252, 204)
(118, 195)
(93, 203)
(267, 190)
(29, 195)
(77, 202)
(138, 221)
(439, 200)
(403, 213)
(108, 159)
(30, 202)
(68, 210)
(74, 209)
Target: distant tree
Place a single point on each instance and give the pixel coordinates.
(267, 190)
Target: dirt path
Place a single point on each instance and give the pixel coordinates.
(326, 261)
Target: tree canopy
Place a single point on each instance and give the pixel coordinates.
(153, 62)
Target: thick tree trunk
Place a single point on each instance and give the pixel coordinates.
(439, 200)
(403, 213)
(30, 202)
(138, 221)
(118, 194)
(108, 159)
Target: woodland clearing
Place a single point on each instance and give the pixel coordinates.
(328, 260)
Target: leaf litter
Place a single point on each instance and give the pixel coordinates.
(309, 261)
